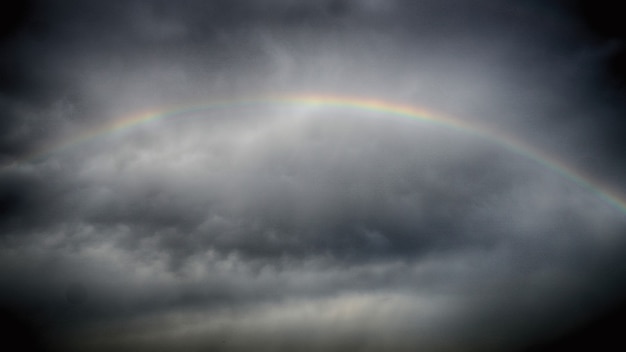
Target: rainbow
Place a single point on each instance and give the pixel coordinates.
(500, 138)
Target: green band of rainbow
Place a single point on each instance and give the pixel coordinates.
(507, 141)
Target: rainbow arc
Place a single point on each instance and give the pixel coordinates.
(505, 140)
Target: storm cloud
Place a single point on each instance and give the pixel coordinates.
(307, 227)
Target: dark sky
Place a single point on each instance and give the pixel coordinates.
(310, 228)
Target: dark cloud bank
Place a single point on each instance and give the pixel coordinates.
(293, 228)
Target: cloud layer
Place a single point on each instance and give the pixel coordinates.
(284, 227)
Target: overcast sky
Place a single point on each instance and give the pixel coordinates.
(307, 228)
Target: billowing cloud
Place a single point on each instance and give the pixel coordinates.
(284, 226)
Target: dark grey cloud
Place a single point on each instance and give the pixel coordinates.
(303, 227)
